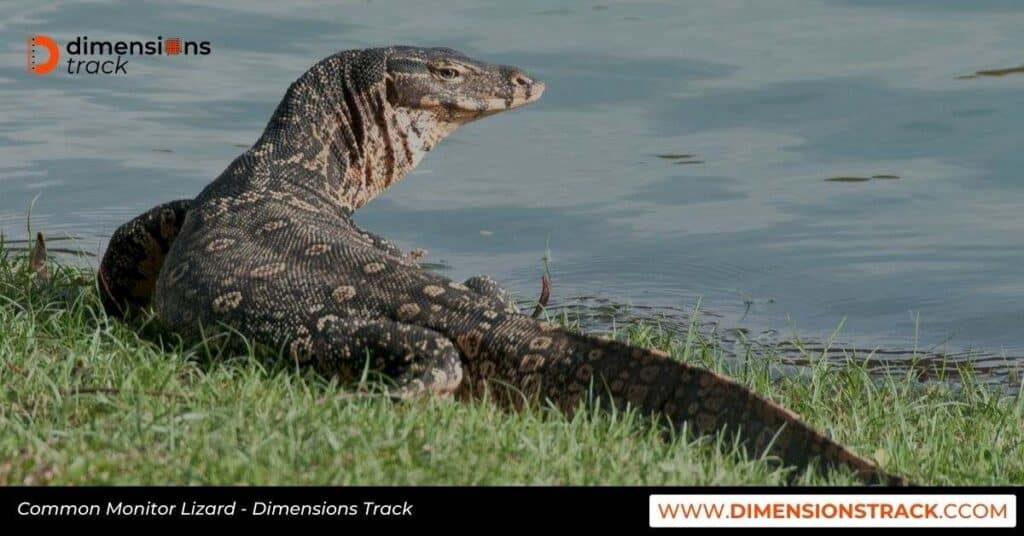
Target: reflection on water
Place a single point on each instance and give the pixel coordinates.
(789, 164)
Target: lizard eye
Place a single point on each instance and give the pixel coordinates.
(448, 73)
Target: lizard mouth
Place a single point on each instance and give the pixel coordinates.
(521, 91)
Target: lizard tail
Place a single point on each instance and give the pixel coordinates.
(706, 402)
(130, 267)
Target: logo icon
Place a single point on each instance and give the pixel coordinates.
(173, 46)
(36, 46)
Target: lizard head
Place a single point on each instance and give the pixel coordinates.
(453, 87)
(370, 115)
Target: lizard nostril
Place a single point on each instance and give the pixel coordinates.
(521, 80)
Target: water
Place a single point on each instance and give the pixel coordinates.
(721, 151)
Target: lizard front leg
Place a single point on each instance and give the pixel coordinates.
(417, 359)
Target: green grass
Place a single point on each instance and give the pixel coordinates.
(85, 400)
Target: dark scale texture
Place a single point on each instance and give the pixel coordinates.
(269, 249)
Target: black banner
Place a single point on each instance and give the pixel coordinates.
(454, 509)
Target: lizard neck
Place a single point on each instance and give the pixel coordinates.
(341, 140)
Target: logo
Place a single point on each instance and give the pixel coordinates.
(87, 56)
(36, 44)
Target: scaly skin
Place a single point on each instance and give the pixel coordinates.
(131, 265)
(269, 249)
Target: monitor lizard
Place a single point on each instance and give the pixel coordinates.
(269, 249)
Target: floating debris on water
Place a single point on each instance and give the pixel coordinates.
(853, 178)
(680, 158)
(674, 156)
(848, 179)
(993, 72)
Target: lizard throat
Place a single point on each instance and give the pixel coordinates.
(352, 146)
(393, 151)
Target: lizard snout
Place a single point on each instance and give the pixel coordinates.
(519, 79)
(526, 89)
